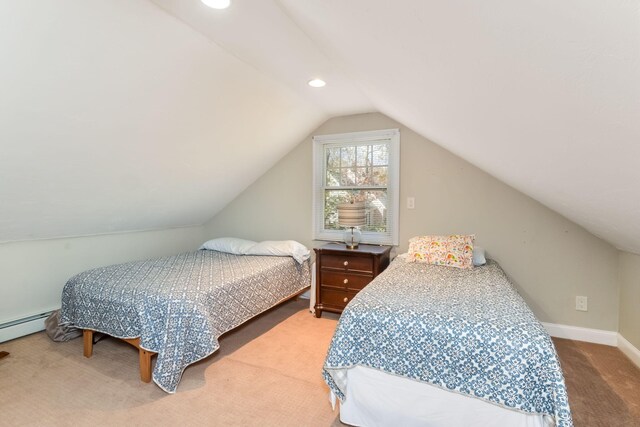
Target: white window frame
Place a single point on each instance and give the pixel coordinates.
(392, 137)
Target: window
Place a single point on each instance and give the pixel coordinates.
(361, 166)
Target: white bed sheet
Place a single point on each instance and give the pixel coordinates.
(376, 398)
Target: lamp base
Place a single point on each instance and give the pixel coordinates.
(352, 237)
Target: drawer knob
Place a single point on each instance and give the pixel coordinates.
(346, 263)
(346, 281)
(345, 299)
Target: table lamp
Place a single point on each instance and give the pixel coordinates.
(351, 215)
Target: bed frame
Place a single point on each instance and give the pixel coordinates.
(145, 355)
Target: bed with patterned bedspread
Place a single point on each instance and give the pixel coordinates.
(466, 331)
(179, 305)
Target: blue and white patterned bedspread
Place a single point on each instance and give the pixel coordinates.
(180, 305)
(467, 331)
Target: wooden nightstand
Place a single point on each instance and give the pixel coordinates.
(341, 273)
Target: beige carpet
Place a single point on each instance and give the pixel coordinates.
(603, 384)
(267, 373)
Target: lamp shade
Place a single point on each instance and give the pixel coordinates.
(351, 214)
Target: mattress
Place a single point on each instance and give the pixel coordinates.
(462, 331)
(180, 305)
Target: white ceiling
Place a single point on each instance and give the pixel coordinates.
(115, 116)
(260, 33)
(544, 95)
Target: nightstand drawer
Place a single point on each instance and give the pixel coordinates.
(344, 280)
(336, 298)
(349, 263)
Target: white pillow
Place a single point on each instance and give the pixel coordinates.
(231, 245)
(478, 256)
(298, 251)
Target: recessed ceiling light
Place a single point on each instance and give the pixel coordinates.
(217, 4)
(316, 83)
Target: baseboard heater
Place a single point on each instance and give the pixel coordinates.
(21, 327)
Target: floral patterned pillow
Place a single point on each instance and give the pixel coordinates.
(453, 251)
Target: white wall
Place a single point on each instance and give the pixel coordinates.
(550, 259)
(33, 273)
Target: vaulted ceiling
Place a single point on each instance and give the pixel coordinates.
(115, 116)
(130, 115)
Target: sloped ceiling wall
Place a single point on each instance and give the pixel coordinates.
(115, 116)
(118, 116)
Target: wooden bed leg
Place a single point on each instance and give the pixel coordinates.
(145, 365)
(87, 335)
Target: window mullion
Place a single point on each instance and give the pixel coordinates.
(369, 187)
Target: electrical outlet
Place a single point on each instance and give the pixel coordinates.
(581, 303)
(411, 202)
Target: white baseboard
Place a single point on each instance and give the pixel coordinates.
(597, 336)
(22, 329)
(629, 350)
